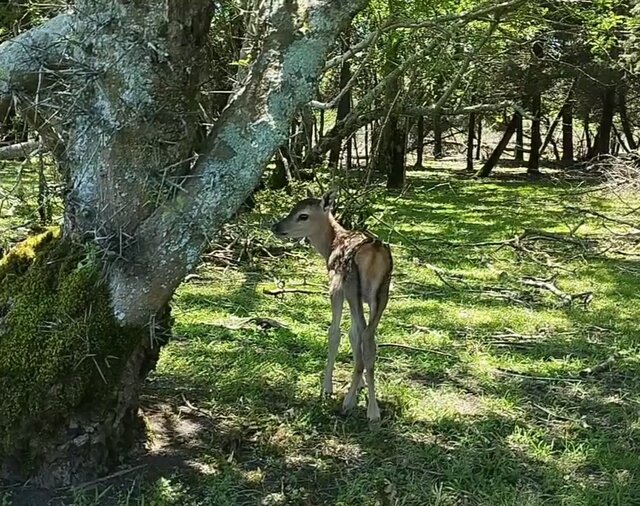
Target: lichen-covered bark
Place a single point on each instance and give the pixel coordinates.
(140, 129)
(256, 122)
(131, 131)
(144, 191)
(24, 58)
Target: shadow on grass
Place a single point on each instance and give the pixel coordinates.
(236, 415)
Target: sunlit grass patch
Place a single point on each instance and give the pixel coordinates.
(483, 393)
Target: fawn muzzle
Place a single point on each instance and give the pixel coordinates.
(276, 228)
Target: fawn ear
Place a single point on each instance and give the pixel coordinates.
(328, 200)
(309, 194)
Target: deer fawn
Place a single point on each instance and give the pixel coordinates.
(359, 267)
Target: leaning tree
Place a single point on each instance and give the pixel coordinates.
(112, 87)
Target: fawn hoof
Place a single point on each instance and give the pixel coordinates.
(349, 403)
(373, 413)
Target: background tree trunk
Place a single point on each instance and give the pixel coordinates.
(470, 138)
(606, 121)
(492, 161)
(519, 152)
(533, 167)
(420, 144)
(587, 133)
(344, 108)
(568, 156)
(392, 150)
(627, 128)
(479, 145)
(437, 136)
(391, 153)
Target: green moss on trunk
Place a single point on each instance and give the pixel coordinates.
(62, 355)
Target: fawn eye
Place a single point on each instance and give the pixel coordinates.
(303, 217)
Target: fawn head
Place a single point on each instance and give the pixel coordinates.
(306, 218)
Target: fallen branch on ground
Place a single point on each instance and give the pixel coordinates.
(505, 372)
(585, 298)
(266, 323)
(601, 367)
(604, 217)
(416, 327)
(263, 323)
(552, 414)
(117, 474)
(284, 291)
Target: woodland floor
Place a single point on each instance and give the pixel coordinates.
(484, 380)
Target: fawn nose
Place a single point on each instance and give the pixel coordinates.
(277, 230)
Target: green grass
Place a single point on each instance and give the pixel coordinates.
(488, 408)
(18, 197)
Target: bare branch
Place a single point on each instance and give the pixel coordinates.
(354, 78)
(27, 62)
(390, 25)
(24, 57)
(416, 112)
(19, 150)
(463, 69)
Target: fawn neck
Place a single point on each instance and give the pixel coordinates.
(322, 240)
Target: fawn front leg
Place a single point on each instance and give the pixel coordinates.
(337, 300)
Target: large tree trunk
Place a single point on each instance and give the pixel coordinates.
(499, 149)
(82, 321)
(71, 374)
(533, 166)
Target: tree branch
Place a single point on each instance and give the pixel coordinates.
(25, 57)
(18, 150)
(255, 123)
(463, 68)
(412, 24)
(354, 78)
(358, 115)
(416, 112)
(27, 61)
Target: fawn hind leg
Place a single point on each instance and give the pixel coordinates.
(369, 349)
(358, 325)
